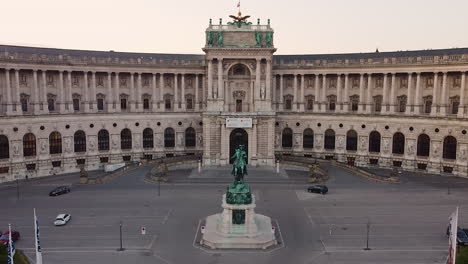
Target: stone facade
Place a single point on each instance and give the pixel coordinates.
(60, 108)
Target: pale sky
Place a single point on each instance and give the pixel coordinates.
(177, 26)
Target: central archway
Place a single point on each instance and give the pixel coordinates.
(238, 137)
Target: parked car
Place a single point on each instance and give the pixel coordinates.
(318, 189)
(5, 238)
(462, 237)
(62, 219)
(59, 190)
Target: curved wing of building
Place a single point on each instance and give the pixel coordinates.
(63, 108)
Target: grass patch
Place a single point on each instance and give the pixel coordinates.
(19, 258)
(462, 255)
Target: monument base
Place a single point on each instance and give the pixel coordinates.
(223, 231)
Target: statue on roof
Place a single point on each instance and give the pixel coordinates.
(239, 20)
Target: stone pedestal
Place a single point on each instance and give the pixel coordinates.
(225, 230)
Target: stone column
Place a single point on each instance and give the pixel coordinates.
(346, 94)
(222, 141)
(273, 99)
(435, 101)
(45, 105)
(154, 97)
(316, 94)
(9, 103)
(257, 80)
(220, 79)
(86, 92)
(19, 110)
(109, 98)
(139, 105)
(197, 104)
(132, 104)
(361, 94)
(93, 84)
(182, 95)
(295, 93)
(409, 103)
(161, 91)
(69, 93)
(210, 79)
(443, 96)
(254, 139)
(385, 94)
(301, 100)
(117, 92)
(62, 94)
(35, 94)
(324, 93)
(417, 95)
(176, 92)
(461, 107)
(369, 94)
(268, 81)
(392, 94)
(281, 99)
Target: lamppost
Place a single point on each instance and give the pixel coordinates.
(121, 248)
(368, 232)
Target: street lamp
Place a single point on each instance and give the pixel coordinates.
(368, 231)
(121, 248)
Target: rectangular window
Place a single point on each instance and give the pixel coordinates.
(31, 167)
(56, 164)
(373, 161)
(123, 104)
(354, 106)
(397, 163)
(76, 104)
(51, 105)
(455, 107)
(80, 161)
(148, 157)
(146, 104)
(238, 105)
(126, 158)
(422, 166)
(100, 104)
(427, 107)
(332, 106)
(310, 104)
(189, 103)
(288, 105)
(104, 159)
(167, 104)
(24, 104)
(4, 170)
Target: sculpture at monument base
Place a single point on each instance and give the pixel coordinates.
(238, 226)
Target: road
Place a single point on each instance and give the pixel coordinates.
(407, 220)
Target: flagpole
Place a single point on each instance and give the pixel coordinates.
(38, 245)
(10, 246)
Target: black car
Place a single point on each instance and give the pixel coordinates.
(59, 190)
(462, 237)
(318, 189)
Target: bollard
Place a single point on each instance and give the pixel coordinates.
(277, 166)
(199, 166)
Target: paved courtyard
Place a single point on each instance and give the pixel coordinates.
(407, 220)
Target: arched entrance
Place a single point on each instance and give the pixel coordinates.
(238, 137)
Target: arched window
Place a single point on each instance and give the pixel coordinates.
(80, 141)
(330, 139)
(450, 148)
(374, 142)
(308, 138)
(103, 140)
(55, 143)
(424, 145)
(29, 145)
(4, 147)
(190, 137)
(351, 140)
(126, 139)
(398, 143)
(287, 138)
(169, 138)
(148, 139)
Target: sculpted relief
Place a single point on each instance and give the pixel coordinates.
(319, 141)
(68, 145)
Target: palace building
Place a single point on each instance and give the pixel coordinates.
(64, 108)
